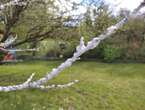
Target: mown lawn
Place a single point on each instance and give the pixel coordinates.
(101, 87)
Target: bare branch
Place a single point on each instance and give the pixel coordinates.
(57, 86)
(81, 49)
(29, 79)
(9, 42)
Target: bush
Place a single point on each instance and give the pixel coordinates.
(1, 56)
(53, 53)
(110, 53)
(91, 54)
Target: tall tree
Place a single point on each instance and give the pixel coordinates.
(34, 21)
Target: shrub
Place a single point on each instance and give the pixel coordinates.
(111, 53)
(1, 56)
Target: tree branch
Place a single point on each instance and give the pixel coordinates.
(80, 49)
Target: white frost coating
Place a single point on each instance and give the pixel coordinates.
(81, 49)
(58, 86)
(81, 46)
(8, 42)
(29, 79)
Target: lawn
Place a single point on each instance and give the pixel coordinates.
(101, 87)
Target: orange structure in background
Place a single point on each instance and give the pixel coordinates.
(8, 55)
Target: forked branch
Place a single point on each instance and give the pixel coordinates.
(80, 49)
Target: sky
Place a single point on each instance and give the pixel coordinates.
(116, 5)
(67, 5)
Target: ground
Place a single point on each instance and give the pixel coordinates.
(101, 87)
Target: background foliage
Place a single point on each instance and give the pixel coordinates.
(43, 25)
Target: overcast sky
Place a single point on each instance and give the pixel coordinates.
(116, 5)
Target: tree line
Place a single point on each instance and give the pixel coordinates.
(41, 21)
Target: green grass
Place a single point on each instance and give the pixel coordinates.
(101, 87)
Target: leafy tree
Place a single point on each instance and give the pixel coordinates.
(34, 22)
